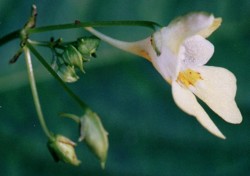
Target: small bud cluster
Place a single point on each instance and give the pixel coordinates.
(74, 56)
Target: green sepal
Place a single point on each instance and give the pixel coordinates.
(62, 149)
(67, 73)
(73, 57)
(87, 46)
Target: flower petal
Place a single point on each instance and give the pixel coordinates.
(217, 90)
(208, 31)
(142, 48)
(167, 64)
(197, 51)
(188, 103)
(183, 27)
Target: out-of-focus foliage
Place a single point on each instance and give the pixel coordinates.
(148, 134)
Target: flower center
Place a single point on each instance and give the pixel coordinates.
(188, 77)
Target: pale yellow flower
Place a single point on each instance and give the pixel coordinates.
(179, 53)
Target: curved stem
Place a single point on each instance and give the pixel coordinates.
(9, 37)
(71, 116)
(149, 24)
(35, 93)
(53, 73)
(16, 34)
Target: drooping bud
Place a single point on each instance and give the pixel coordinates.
(62, 149)
(73, 57)
(67, 73)
(87, 46)
(94, 134)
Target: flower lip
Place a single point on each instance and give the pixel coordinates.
(218, 91)
(186, 101)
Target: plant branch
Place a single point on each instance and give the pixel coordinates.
(77, 24)
(11, 36)
(35, 93)
(53, 73)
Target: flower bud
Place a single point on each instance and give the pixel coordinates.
(62, 149)
(73, 57)
(95, 136)
(87, 45)
(67, 73)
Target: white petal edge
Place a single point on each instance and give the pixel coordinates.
(197, 51)
(208, 31)
(183, 27)
(186, 100)
(217, 90)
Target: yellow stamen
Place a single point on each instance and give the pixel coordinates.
(189, 77)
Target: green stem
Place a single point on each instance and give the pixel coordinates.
(49, 44)
(39, 43)
(71, 116)
(35, 93)
(9, 37)
(149, 24)
(53, 73)
(16, 34)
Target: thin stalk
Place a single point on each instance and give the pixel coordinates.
(49, 44)
(35, 93)
(11, 36)
(16, 34)
(53, 73)
(39, 43)
(149, 24)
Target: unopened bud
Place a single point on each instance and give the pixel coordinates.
(87, 46)
(67, 73)
(62, 149)
(95, 136)
(73, 57)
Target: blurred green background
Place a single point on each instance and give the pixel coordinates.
(148, 133)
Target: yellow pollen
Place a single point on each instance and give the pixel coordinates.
(189, 77)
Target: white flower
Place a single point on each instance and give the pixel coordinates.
(179, 52)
